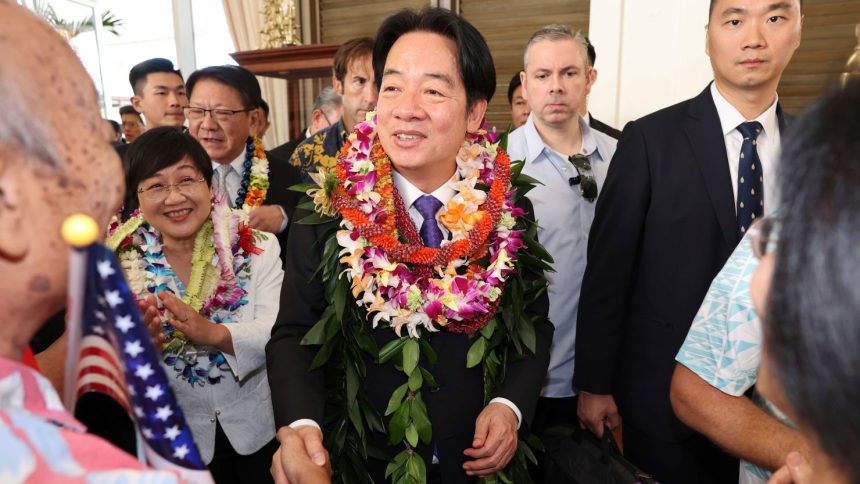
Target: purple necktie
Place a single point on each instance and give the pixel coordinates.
(427, 206)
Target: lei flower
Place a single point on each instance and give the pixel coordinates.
(255, 176)
(404, 283)
(220, 271)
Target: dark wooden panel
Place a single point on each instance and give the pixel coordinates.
(341, 20)
(828, 40)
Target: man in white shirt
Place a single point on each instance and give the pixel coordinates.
(686, 183)
(556, 82)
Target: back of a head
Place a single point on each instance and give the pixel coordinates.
(236, 77)
(475, 62)
(61, 154)
(812, 333)
(137, 74)
(327, 99)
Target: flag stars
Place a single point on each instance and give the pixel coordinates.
(133, 348)
(163, 413)
(147, 433)
(113, 298)
(123, 323)
(154, 392)
(138, 412)
(105, 269)
(144, 371)
(172, 433)
(181, 451)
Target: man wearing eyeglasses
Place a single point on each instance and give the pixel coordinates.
(685, 185)
(326, 112)
(223, 115)
(570, 160)
(352, 76)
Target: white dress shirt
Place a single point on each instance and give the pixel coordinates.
(234, 181)
(564, 220)
(767, 145)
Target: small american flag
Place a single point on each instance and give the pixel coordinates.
(118, 358)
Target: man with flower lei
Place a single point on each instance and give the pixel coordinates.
(417, 283)
(224, 116)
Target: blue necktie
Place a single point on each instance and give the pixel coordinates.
(750, 205)
(427, 206)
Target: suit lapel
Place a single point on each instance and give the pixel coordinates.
(704, 132)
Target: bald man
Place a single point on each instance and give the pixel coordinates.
(51, 166)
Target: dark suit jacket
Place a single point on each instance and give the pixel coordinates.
(603, 127)
(298, 393)
(664, 226)
(282, 176)
(285, 151)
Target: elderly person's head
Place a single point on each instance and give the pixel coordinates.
(435, 76)
(172, 175)
(811, 363)
(51, 166)
(222, 110)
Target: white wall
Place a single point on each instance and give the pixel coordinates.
(650, 54)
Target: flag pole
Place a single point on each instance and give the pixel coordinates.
(79, 231)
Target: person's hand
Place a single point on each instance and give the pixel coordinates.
(795, 471)
(495, 441)
(596, 411)
(198, 329)
(301, 458)
(267, 218)
(149, 310)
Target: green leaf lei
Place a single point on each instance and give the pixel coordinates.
(343, 338)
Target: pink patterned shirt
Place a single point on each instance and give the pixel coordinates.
(41, 442)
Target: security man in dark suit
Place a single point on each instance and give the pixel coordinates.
(683, 187)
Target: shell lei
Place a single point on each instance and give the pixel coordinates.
(216, 289)
(374, 257)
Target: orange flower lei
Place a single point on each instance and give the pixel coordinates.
(383, 232)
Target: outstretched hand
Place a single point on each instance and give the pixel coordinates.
(149, 310)
(301, 458)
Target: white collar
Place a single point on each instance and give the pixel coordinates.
(731, 118)
(409, 192)
(238, 164)
(536, 146)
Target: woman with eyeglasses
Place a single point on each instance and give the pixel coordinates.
(210, 284)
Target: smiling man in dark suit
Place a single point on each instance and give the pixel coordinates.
(683, 187)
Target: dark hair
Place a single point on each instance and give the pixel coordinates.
(137, 74)
(512, 86)
(348, 52)
(711, 8)
(236, 77)
(129, 109)
(158, 148)
(265, 106)
(477, 70)
(592, 54)
(812, 335)
(114, 125)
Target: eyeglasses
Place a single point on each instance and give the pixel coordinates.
(584, 177)
(325, 117)
(159, 191)
(764, 235)
(195, 113)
